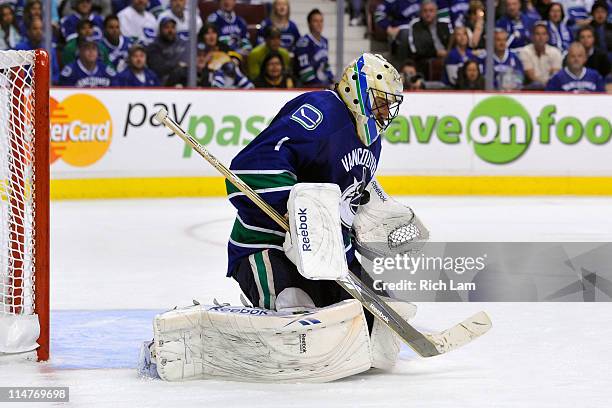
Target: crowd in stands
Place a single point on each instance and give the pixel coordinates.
(555, 45)
(563, 45)
(134, 43)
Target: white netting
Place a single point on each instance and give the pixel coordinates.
(16, 183)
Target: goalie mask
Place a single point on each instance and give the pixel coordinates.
(372, 90)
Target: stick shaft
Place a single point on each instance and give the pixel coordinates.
(227, 173)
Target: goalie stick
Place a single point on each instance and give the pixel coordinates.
(424, 344)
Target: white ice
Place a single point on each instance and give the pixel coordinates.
(116, 263)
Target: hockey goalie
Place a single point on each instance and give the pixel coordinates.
(316, 163)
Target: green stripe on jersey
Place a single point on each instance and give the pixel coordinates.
(263, 277)
(258, 181)
(241, 234)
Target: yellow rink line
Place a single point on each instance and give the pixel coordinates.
(396, 185)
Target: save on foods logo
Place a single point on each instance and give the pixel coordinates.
(81, 130)
(501, 129)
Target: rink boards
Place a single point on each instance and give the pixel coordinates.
(105, 144)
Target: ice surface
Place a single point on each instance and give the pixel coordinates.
(116, 263)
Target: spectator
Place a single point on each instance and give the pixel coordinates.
(154, 6)
(101, 7)
(179, 13)
(31, 11)
(232, 28)
(507, 67)
(9, 34)
(596, 59)
(426, 38)
(475, 24)
(469, 77)
(516, 24)
(259, 53)
(229, 75)
(26, 10)
(542, 7)
(279, 18)
(137, 23)
(167, 52)
(412, 79)
(273, 73)
(575, 77)
(455, 10)
(392, 14)
(33, 40)
(116, 45)
(540, 60)
(178, 77)
(216, 52)
(356, 8)
(559, 34)
(577, 12)
(458, 55)
(137, 74)
(311, 54)
(82, 12)
(602, 28)
(87, 71)
(85, 31)
(530, 11)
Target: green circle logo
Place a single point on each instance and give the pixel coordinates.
(500, 129)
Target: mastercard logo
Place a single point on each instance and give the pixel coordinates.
(81, 130)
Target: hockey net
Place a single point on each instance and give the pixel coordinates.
(24, 208)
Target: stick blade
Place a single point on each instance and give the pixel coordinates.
(462, 333)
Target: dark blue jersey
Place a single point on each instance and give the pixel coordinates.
(69, 23)
(289, 34)
(519, 30)
(508, 71)
(118, 53)
(395, 13)
(312, 58)
(128, 78)
(312, 139)
(588, 81)
(454, 61)
(233, 30)
(76, 74)
(559, 36)
(457, 11)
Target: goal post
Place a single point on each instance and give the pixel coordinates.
(24, 204)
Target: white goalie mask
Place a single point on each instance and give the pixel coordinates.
(372, 90)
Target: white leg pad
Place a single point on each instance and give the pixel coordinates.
(384, 342)
(256, 345)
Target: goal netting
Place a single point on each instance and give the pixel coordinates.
(24, 175)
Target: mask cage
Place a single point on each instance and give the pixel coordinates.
(382, 101)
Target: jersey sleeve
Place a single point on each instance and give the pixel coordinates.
(305, 69)
(245, 43)
(553, 84)
(599, 83)
(381, 15)
(270, 169)
(67, 76)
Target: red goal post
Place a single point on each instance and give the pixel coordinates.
(24, 204)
